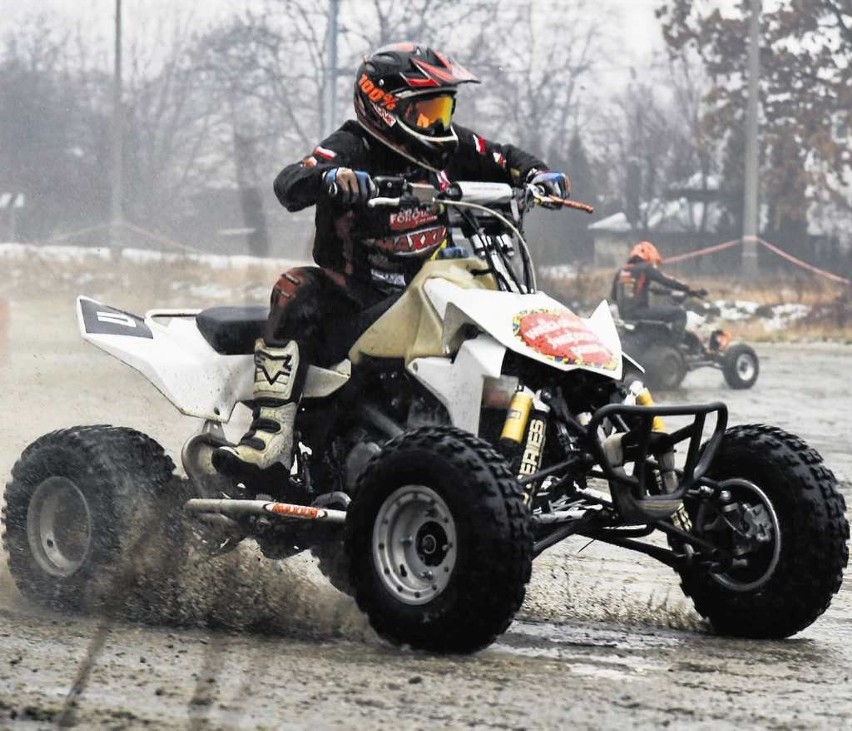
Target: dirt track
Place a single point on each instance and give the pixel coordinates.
(605, 638)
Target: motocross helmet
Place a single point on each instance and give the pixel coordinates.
(646, 251)
(405, 98)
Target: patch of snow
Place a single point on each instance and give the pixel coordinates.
(736, 310)
(66, 254)
(558, 271)
(783, 315)
(694, 320)
(54, 252)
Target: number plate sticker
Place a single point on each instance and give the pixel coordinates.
(100, 319)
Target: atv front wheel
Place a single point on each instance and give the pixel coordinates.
(782, 520)
(740, 366)
(89, 511)
(665, 367)
(439, 541)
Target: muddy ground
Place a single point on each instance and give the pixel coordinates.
(605, 638)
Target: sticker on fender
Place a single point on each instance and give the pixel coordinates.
(295, 511)
(101, 319)
(563, 337)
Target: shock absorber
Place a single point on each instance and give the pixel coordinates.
(526, 427)
(517, 417)
(643, 398)
(668, 476)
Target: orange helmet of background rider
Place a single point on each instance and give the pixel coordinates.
(646, 251)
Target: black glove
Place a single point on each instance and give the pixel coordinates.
(349, 186)
(553, 183)
(698, 293)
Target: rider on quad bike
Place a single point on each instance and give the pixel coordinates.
(631, 288)
(404, 102)
(656, 335)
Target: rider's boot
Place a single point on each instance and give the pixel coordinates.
(278, 381)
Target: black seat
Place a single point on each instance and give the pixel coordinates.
(232, 330)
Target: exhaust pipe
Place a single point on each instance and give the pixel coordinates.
(239, 508)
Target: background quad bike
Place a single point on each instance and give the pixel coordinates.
(668, 356)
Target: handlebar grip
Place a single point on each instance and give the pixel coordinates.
(543, 198)
(585, 207)
(384, 202)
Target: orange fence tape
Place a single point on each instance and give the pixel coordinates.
(772, 247)
(803, 264)
(701, 252)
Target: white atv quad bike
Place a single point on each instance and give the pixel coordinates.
(475, 424)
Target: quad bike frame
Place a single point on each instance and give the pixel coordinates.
(402, 459)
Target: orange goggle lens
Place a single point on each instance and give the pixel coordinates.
(424, 114)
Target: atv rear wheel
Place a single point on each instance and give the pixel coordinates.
(665, 367)
(91, 513)
(740, 366)
(783, 520)
(439, 541)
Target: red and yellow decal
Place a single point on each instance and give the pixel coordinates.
(375, 94)
(409, 218)
(294, 511)
(563, 337)
(412, 243)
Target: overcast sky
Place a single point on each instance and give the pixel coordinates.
(630, 23)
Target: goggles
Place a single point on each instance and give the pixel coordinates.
(425, 115)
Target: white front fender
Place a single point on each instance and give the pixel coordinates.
(457, 383)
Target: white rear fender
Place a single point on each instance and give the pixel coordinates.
(167, 348)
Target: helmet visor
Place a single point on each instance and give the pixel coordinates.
(431, 115)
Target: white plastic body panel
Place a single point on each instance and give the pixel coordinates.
(169, 350)
(177, 359)
(495, 312)
(457, 384)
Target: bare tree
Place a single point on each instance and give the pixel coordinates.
(652, 143)
(174, 135)
(50, 146)
(433, 22)
(535, 94)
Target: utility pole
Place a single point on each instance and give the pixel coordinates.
(751, 210)
(330, 80)
(116, 195)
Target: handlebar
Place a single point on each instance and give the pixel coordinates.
(679, 295)
(399, 193)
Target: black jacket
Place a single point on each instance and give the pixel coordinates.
(386, 245)
(630, 287)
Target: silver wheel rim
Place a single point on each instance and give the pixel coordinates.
(744, 366)
(59, 526)
(733, 583)
(414, 544)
